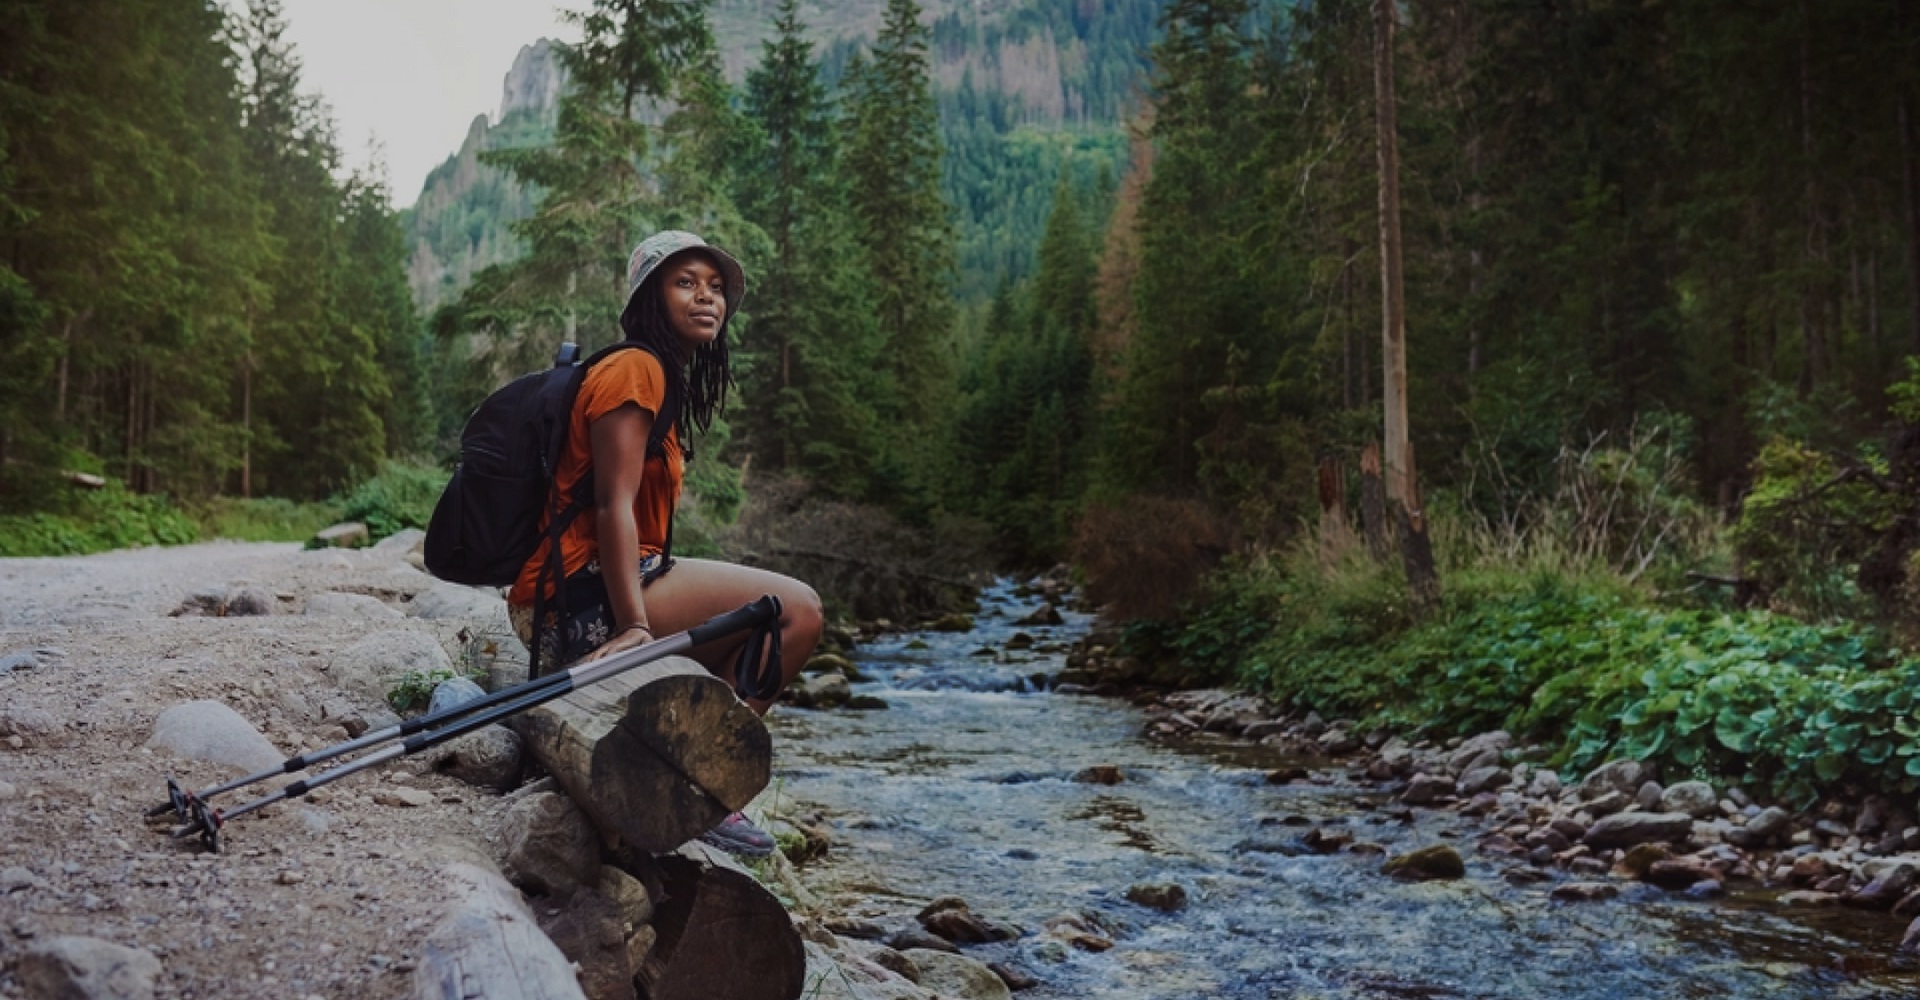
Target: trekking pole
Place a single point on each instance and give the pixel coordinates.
(439, 727)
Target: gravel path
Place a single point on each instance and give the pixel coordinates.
(329, 897)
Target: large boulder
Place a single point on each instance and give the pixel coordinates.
(489, 945)
(210, 731)
(548, 846)
(373, 664)
(1483, 750)
(354, 607)
(1632, 828)
(958, 976)
(1695, 798)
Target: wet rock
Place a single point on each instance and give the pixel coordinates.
(1480, 805)
(958, 976)
(1630, 828)
(345, 535)
(1483, 779)
(1287, 775)
(821, 691)
(866, 703)
(548, 846)
(1640, 859)
(1324, 841)
(210, 731)
(1679, 873)
(1583, 892)
(1762, 829)
(1501, 845)
(1695, 798)
(1425, 789)
(827, 663)
(1812, 868)
(1261, 730)
(949, 918)
(1882, 892)
(955, 622)
(1338, 743)
(853, 927)
(1100, 774)
(1909, 905)
(1910, 942)
(1623, 776)
(1706, 889)
(1046, 614)
(882, 956)
(908, 939)
(352, 607)
(1168, 897)
(1440, 861)
(84, 968)
(1289, 846)
(1015, 977)
(1810, 898)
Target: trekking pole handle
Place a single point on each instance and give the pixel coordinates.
(762, 611)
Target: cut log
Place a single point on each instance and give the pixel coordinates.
(654, 757)
(720, 934)
(488, 948)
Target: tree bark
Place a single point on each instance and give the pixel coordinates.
(720, 934)
(1911, 181)
(654, 757)
(489, 947)
(1393, 358)
(1373, 504)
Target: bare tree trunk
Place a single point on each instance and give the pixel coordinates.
(1373, 504)
(1911, 181)
(1336, 532)
(1812, 336)
(66, 355)
(1402, 495)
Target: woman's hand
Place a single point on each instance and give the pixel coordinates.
(630, 638)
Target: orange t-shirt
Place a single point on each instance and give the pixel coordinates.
(631, 376)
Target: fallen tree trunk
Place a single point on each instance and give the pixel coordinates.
(654, 757)
(489, 947)
(720, 933)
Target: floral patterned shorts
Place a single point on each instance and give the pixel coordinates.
(588, 624)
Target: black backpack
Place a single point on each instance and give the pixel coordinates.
(487, 523)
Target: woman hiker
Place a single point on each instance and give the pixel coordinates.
(619, 592)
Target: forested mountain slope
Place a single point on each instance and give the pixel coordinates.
(1024, 87)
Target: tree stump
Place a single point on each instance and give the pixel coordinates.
(720, 933)
(656, 756)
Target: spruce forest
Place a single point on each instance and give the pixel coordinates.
(1628, 292)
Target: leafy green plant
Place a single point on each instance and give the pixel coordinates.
(414, 690)
(401, 496)
(95, 521)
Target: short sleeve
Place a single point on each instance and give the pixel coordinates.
(632, 376)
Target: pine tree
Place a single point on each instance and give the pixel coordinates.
(892, 163)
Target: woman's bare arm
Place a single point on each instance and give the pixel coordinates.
(618, 440)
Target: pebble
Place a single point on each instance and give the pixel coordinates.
(403, 797)
(16, 878)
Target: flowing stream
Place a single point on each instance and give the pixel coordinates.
(963, 787)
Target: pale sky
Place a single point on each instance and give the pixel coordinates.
(412, 74)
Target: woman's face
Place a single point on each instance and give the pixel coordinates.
(696, 299)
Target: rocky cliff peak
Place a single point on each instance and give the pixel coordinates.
(534, 82)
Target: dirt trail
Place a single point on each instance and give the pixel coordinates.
(330, 897)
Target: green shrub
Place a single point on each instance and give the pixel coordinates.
(401, 496)
(263, 519)
(95, 521)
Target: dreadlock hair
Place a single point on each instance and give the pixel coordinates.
(701, 381)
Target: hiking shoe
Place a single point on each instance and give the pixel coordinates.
(738, 836)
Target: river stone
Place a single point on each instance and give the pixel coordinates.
(1642, 858)
(1608, 803)
(1483, 750)
(1623, 776)
(958, 976)
(83, 968)
(1882, 892)
(955, 622)
(827, 663)
(1440, 861)
(822, 691)
(1484, 779)
(880, 955)
(1168, 897)
(1811, 898)
(1544, 784)
(1628, 829)
(1426, 788)
(444, 601)
(1046, 614)
(374, 664)
(1338, 742)
(916, 939)
(951, 919)
(1647, 799)
(847, 976)
(354, 607)
(1695, 798)
(1583, 892)
(210, 731)
(1680, 873)
(549, 847)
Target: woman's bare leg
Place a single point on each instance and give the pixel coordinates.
(698, 589)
